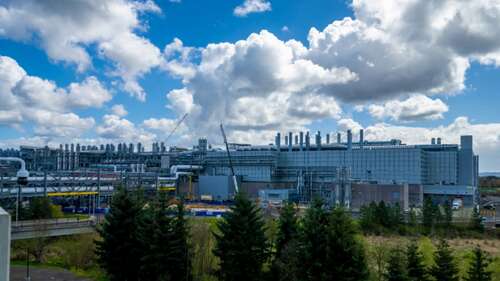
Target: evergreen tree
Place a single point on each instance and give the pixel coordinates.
(241, 246)
(287, 227)
(160, 256)
(181, 258)
(476, 222)
(478, 267)
(396, 267)
(396, 216)
(415, 263)
(383, 216)
(119, 250)
(445, 268)
(428, 213)
(345, 254)
(367, 218)
(155, 235)
(448, 214)
(313, 241)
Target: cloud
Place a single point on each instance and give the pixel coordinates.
(252, 6)
(119, 110)
(115, 128)
(89, 93)
(383, 56)
(416, 107)
(348, 124)
(59, 124)
(28, 98)
(259, 83)
(68, 30)
(387, 67)
(285, 28)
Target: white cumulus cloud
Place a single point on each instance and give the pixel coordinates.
(260, 83)
(252, 6)
(28, 98)
(416, 107)
(67, 30)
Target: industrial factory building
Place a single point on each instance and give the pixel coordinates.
(339, 169)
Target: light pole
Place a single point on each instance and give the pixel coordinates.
(22, 179)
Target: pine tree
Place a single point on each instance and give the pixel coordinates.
(287, 227)
(445, 268)
(181, 262)
(119, 250)
(448, 214)
(242, 247)
(415, 263)
(428, 213)
(476, 222)
(367, 217)
(157, 237)
(396, 216)
(286, 261)
(396, 267)
(478, 267)
(345, 254)
(383, 215)
(313, 241)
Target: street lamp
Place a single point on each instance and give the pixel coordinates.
(22, 179)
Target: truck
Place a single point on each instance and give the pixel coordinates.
(457, 203)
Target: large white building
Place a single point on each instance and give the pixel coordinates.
(443, 170)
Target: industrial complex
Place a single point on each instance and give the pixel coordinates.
(296, 166)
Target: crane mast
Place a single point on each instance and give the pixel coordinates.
(235, 181)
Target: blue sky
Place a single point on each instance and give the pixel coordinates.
(324, 65)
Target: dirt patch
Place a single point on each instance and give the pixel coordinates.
(18, 273)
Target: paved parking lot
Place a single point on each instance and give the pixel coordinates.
(18, 273)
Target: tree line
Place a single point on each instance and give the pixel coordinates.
(144, 241)
(382, 218)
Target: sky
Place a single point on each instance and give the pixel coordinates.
(95, 71)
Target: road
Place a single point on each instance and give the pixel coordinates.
(50, 228)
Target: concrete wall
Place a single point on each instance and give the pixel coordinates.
(363, 194)
(4, 245)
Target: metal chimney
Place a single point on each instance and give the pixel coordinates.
(277, 140)
(318, 139)
(361, 136)
(438, 140)
(290, 141)
(433, 141)
(327, 138)
(308, 141)
(301, 137)
(349, 139)
(339, 138)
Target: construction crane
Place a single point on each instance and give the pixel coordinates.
(176, 126)
(235, 182)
